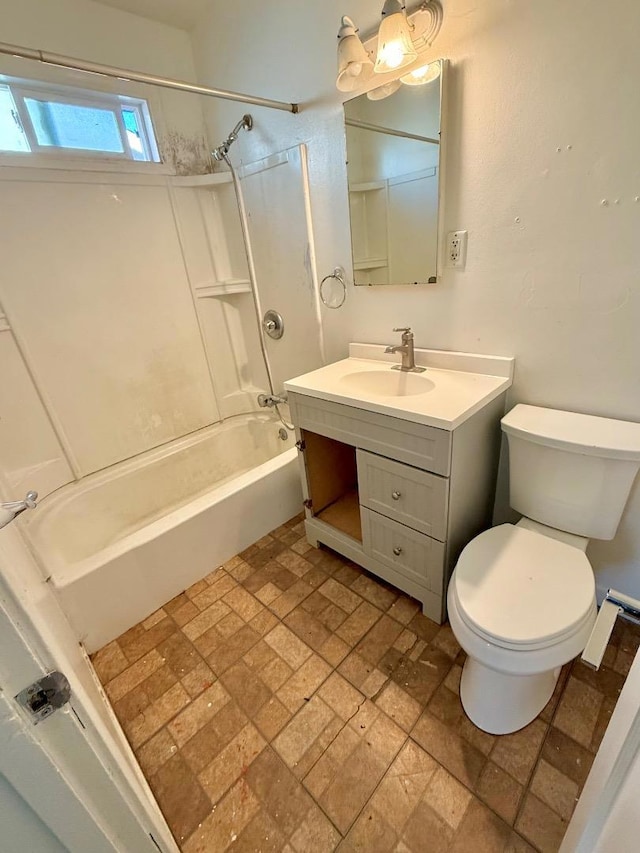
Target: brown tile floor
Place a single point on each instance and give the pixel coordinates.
(291, 702)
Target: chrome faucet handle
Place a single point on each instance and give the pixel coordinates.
(13, 508)
(28, 502)
(407, 334)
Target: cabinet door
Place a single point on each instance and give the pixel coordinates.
(410, 553)
(408, 495)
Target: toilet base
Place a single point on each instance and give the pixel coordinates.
(499, 703)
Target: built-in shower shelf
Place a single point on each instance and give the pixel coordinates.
(210, 180)
(367, 186)
(370, 264)
(223, 288)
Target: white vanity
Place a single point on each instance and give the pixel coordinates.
(399, 469)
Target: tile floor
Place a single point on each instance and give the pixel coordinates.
(291, 702)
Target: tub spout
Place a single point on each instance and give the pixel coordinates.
(270, 400)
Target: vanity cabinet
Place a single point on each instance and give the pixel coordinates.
(399, 498)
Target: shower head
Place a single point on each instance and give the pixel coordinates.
(245, 123)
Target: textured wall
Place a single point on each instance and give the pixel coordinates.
(542, 171)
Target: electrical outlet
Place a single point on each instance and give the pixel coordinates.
(457, 249)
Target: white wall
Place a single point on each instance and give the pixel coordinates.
(543, 127)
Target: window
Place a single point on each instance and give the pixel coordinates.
(67, 121)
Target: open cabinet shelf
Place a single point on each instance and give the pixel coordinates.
(344, 515)
(333, 483)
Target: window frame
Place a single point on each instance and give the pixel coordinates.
(112, 102)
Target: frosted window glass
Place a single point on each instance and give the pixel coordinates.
(12, 136)
(73, 126)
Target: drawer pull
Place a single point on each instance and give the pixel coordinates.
(397, 551)
(396, 495)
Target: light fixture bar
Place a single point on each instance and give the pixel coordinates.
(377, 128)
(140, 77)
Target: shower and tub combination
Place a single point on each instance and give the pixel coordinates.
(120, 541)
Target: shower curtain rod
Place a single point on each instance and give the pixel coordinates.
(140, 77)
(378, 128)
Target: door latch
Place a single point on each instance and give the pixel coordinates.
(45, 696)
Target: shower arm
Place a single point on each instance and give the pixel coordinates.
(245, 123)
(128, 75)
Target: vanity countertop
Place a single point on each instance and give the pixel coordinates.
(454, 386)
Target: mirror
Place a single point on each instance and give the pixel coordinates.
(393, 170)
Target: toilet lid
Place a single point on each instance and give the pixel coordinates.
(522, 588)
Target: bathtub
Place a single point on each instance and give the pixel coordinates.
(118, 544)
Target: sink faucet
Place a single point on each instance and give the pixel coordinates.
(406, 348)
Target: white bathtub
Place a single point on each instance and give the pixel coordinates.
(120, 543)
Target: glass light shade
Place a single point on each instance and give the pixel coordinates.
(384, 91)
(395, 47)
(423, 75)
(354, 65)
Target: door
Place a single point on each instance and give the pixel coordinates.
(63, 786)
(606, 819)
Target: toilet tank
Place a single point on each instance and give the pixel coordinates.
(571, 471)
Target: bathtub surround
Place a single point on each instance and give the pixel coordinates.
(96, 281)
(291, 698)
(536, 174)
(134, 326)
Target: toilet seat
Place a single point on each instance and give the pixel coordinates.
(522, 590)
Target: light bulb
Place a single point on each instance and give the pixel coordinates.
(384, 91)
(420, 76)
(395, 47)
(391, 54)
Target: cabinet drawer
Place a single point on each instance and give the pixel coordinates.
(412, 497)
(422, 446)
(412, 554)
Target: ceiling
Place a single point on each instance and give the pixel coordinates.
(176, 13)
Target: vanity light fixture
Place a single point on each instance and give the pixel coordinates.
(354, 64)
(400, 39)
(395, 47)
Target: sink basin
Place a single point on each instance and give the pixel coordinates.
(385, 382)
(455, 386)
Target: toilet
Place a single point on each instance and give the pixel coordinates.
(521, 599)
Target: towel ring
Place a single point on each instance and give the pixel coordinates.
(330, 293)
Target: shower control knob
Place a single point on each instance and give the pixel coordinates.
(273, 324)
